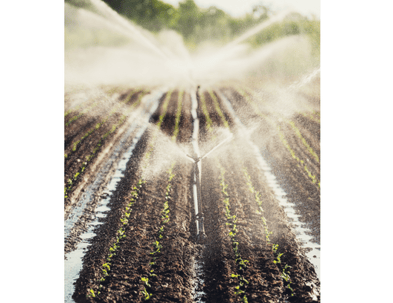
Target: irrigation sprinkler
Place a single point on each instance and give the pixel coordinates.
(199, 215)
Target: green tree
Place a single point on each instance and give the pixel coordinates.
(189, 17)
(153, 15)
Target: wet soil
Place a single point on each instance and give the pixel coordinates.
(292, 177)
(75, 159)
(174, 267)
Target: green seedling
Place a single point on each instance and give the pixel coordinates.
(146, 281)
(232, 222)
(124, 221)
(284, 274)
(147, 296)
(243, 263)
(239, 291)
(278, 261)
(140, 182)
(287, 279)
(92, 294)
(157, 245)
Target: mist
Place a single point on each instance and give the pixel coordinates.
(104, 48)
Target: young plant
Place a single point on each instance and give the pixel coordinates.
(178, 114)
(157, 246)
(284, 275)
(98, 146)
(146, 294)
(120, 234)
(231, 221)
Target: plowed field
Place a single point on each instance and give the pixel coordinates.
(130, 229)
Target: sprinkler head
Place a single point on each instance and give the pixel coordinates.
(194, 157)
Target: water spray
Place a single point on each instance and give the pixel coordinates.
(199, 215)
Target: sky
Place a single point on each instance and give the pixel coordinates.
(237, 8)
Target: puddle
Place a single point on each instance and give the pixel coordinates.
(73, 263)
(197, 293)
(298, 228)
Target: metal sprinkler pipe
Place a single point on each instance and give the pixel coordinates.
(196, 158)
(199, 216)
(197, 168)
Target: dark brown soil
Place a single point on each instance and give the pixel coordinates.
(174, 267)
(75, 159)
(292, 177)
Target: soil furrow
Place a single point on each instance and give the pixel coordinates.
(146, 245)
(252, 242)
(106, 233)
(75, 168)
(285, 238)
(303, 154)
(125, 101)
(218, 257)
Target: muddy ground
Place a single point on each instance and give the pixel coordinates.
(174, 266)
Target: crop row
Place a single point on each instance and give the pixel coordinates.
(284, 274)
(158, 126)
(299, 135)
(157, 246)
(73, 181)
(209, 122)
(87, 109)
(76, 108)
(314, 116)
(178, 114)
(98, 125)
(155, 253)
(126, 214)
(218, 109)
(120, 234)
(231, 221)
(124, 221)
(281, 135)
(105, 93)
(87, 100)
(294, 156)
(240, 289)
(290, 123)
